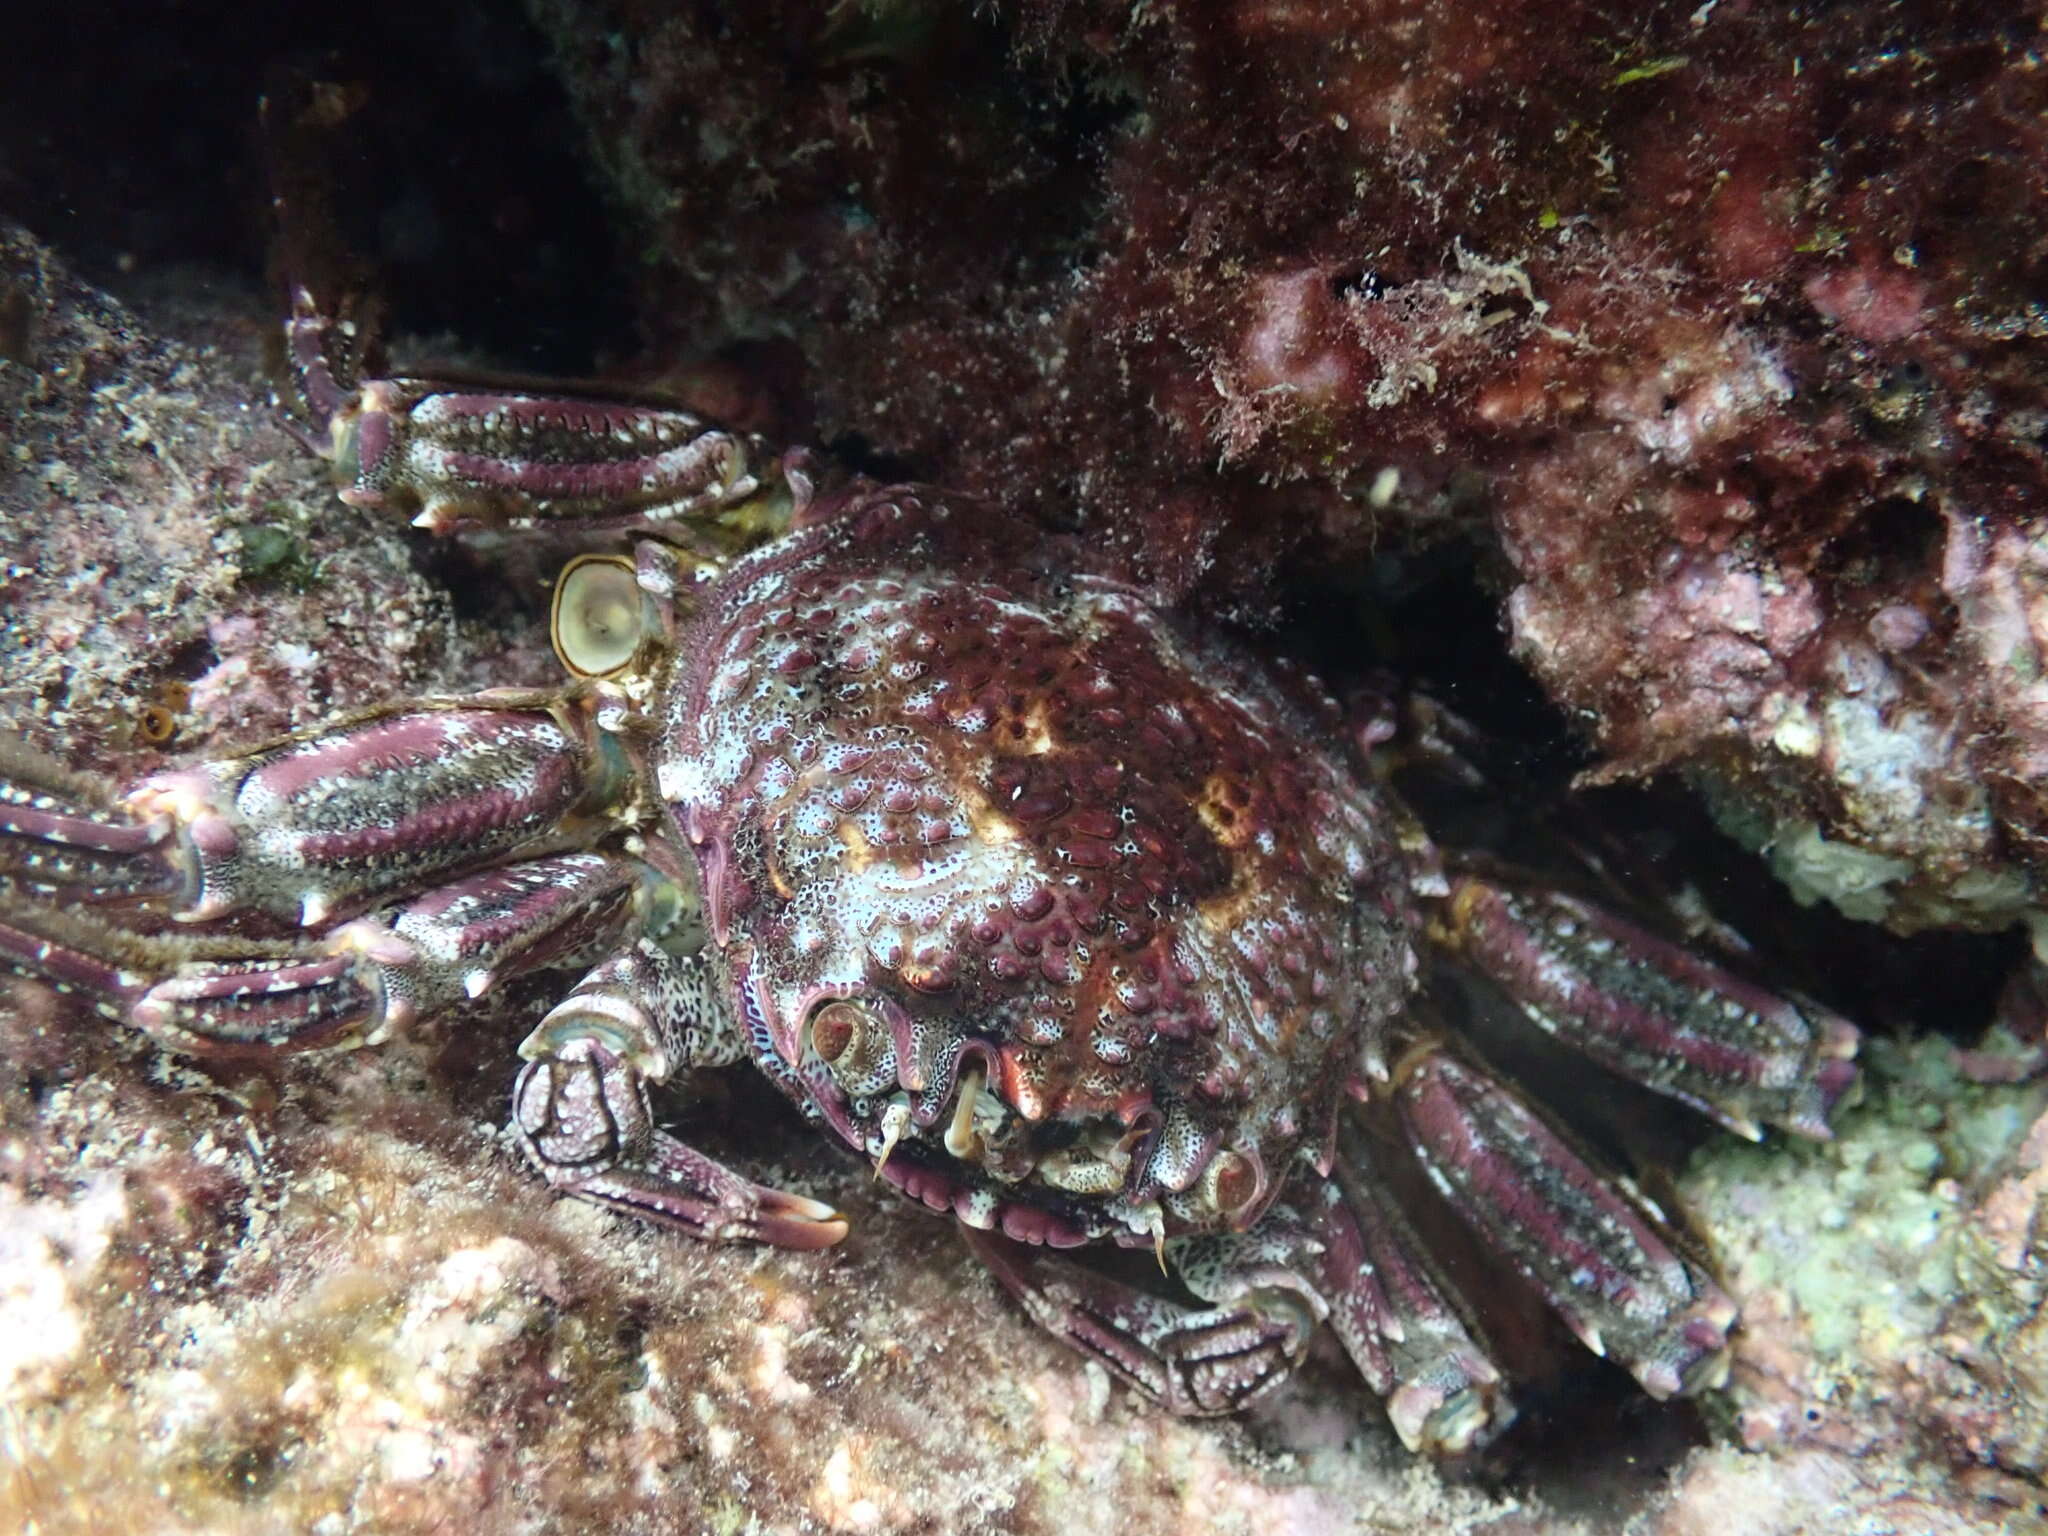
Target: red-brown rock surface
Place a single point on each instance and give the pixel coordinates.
(1722, 324)
(326, 1297)
(1715, 329)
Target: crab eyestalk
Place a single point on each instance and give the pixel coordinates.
(1234, 1186)
(598, 621)
(961, 1139)
(854, 1043)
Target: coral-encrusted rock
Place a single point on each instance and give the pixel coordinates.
(1724, 325)
(330, 1299)
(172, 562)
(1893, 1281)
(1733, 562)
(333, 1299)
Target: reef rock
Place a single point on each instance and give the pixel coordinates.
(1720, 326)
(327, 1298)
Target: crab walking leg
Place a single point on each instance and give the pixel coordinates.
(1591, 1253)
(1444, 1395)
(77, 952)
(580, 1106)
(340, 817)
(63, 831)
(1193, 1360)
(458, 458)
(1655, 1013)
(324, 350)
(457, 454)
(225, 997)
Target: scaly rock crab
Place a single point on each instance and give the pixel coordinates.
(1079, 923)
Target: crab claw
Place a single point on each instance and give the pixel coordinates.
(580, 1112)
(1194, 1360)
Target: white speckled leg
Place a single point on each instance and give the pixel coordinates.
(1194, 1360)
(231, 996)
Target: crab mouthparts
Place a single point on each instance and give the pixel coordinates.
(961, 1141)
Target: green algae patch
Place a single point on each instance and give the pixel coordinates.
(1869, 1244)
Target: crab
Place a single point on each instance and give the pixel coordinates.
(1081, 923)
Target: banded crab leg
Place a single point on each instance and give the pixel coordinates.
(64, 831)
(226, 997)
(452, 454)
(1593, 1251)
(1347, 1255)
(459, 456)
(1652, 1012)
(579, 1107)
(337, 818)
(486, 805)
(1394, 1314)
(349, 815)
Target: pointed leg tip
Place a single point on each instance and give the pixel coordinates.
(1715, 1375)
(151, 1014)
(1432, 1422)
(1661, 1380)
(805, 1236)
(796, 1221)
(1585, 1333)
(782, 1202)
(1834, 1085)
(1694, 1356)
(1670, 1377)
(1837, 1079)
(210, 907)
(1721, 1312)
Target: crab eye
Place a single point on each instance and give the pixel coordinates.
(854, 1042)
(597, 619)
(834, 1029)
(1231, 1182)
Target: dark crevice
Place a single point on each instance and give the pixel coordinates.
(464, 180)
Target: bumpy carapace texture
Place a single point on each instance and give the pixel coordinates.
(1036, 828)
